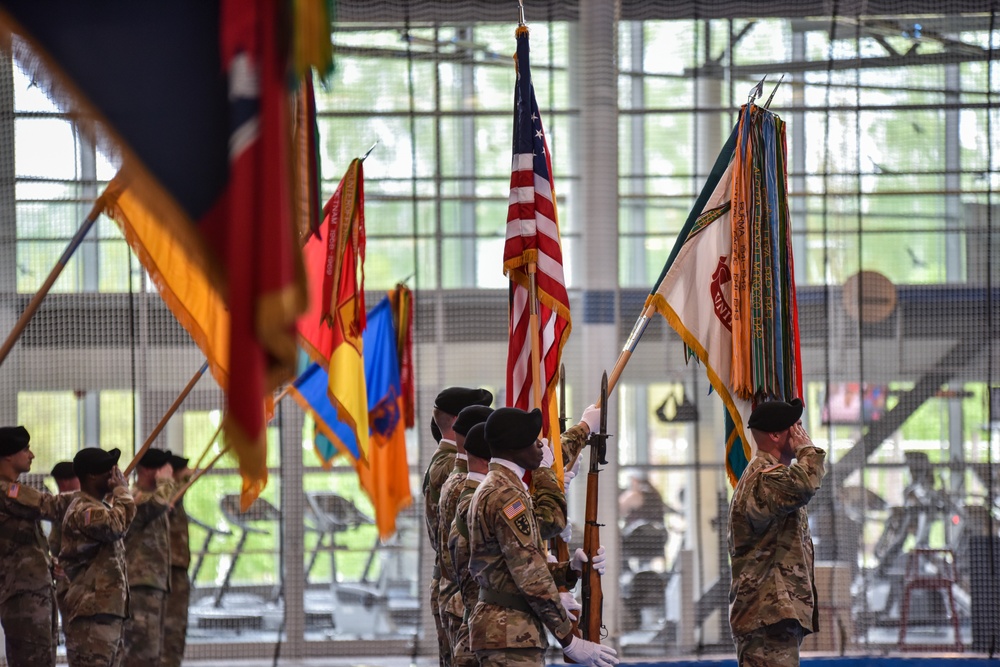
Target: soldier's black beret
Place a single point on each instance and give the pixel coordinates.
(94, 461)
(435, 431)
(475, 441)
(13, 439)
(155, 458)
(453, 399)
(512, 428)
(178, 462)
(774, 416)
(469, 417)
(63, 470)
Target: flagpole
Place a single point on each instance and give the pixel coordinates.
(165, 418)
(36, 301)
(536, 344)
(211, 442)
(197, 475)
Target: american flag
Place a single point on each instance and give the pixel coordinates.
(533, 239)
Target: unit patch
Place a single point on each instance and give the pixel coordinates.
(522, 524)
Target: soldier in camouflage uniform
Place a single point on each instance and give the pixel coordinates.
(175, 617)
(518, 596)
(93, 557)
(772, 600)
(550, 512)
(447, 405)
(548, 495)
(478, 453)
(147, 558)
(449, 595)
(68, 485)
(26, 605)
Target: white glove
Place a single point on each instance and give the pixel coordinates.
(579, 558)
(592, 417)
(590, 654)
(570, 473)
(547, 455)
(567, 533)
(569, 603)
(551, 558)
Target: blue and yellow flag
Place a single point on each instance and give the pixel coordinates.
(383, 471)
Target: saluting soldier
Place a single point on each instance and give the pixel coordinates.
(447, 405)
(450, 599)
(772, 600)
(147, 557)
(93, 557)
(26, 605)
(175, 617)
(518, 596)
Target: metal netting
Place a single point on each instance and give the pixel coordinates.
(893, 163)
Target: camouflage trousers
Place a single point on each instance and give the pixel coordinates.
(175, 618)
(461, 653)
(29, 629)
(451, 625)
(444, 647)
(144, 628)
(95, 641)
(512, 657)
(775, 645)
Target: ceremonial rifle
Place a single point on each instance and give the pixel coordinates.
(591, 618)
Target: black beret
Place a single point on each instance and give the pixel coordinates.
(774, 416)
(13, 439)
(94, 461)
(475, 441)
(177, 462)
(469, 417)
(155, 458)
(512, 428)
(453, 399)
(63, 470)
(435, 431)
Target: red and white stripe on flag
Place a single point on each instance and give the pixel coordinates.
(533, 238)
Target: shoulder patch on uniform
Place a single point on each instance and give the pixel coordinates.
(522, 524)
(13, 490)
(514, 509)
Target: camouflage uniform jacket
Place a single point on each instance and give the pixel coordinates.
(458, 546)
(55, 535)
(437, 472)
(147, 542)
(93, 555)
(180, 541)
(769, 542)
(23, 548)
(548, 493)
(450, 598)
(507, 558)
